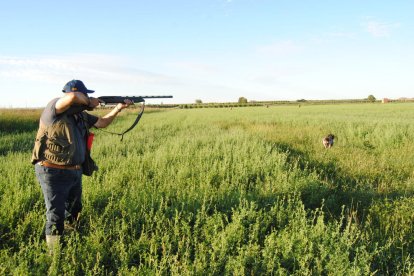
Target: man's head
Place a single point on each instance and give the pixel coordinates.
(76, 86)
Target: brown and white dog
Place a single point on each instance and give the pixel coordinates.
(328, 141)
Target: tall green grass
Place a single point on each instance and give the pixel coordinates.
(226, 191)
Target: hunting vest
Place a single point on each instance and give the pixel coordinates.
(57, 143)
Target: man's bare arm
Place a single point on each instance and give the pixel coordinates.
(106, 120)
(72, 98)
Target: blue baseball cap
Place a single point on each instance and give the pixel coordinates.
(76, 86)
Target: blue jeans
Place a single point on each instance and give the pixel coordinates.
(62, 191)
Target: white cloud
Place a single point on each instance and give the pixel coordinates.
(193, 67)
(339, 34)
(59, 69)
(280, 48)
(379, 29)
(274, 76)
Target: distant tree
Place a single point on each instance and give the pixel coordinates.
(198, 101)
(301, 101)
(242, 100)
(371, 98)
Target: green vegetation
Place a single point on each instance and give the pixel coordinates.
(371, 98)
(242, 100)
(225, 191)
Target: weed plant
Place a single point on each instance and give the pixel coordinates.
(243, 191)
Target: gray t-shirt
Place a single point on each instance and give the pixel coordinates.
(49, 117)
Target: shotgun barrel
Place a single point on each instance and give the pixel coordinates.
(135, 99)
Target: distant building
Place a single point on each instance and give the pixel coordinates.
(385, 100)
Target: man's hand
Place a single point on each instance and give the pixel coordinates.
(126, 103)
(108, 118)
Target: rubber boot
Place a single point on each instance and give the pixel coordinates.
(53, 243)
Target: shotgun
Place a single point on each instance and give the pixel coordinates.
(121, 99)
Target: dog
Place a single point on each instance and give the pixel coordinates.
(328, 141)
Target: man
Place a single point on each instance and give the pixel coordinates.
(60, 150)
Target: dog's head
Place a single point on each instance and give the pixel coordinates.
(328, 140)
(325, 142)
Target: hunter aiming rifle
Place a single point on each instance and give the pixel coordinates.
(136, 99)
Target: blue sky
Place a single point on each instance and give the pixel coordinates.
(214, 50)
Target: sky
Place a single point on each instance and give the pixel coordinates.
(208, 50)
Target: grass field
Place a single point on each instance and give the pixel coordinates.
(243, 191)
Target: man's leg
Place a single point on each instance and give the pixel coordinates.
(55, 184)
(74, 201)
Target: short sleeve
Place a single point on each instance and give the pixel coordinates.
(49, 116)
(91, 119)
